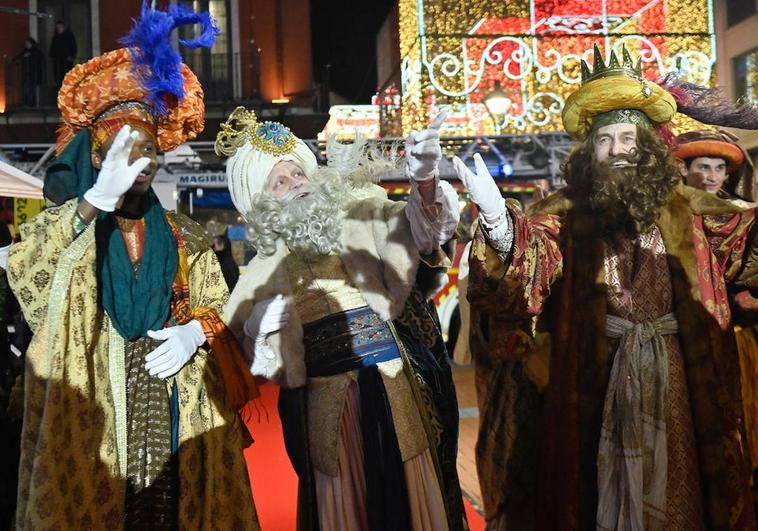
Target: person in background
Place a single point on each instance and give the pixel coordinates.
(713, 161)
(222, 246)
(10, 423)
(32, 64)
(62, 51)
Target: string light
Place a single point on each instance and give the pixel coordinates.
(454, 52)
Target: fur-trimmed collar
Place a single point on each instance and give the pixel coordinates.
(380, 258)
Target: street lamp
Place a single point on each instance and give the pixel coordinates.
(498, 103)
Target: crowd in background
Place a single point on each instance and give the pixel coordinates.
(32, 63)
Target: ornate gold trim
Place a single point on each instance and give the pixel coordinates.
(243, 126)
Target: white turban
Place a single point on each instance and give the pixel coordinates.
(255, 148)
(248, 169)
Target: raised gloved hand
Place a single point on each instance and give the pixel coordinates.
(482, 188)
(180, 343)
(268, 316)
(423, 151)
(116, 174)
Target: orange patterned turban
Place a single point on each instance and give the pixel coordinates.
(104, 93)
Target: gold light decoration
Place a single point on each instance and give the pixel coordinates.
(454, 52)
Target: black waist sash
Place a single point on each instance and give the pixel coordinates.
(358, 340)
(347, 341)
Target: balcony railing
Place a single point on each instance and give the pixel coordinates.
(217, 72)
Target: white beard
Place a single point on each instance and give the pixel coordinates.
(311, 224)
(308, 220)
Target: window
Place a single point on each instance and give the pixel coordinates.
(76, 16)
(212, 67)
(746, 76)
(739, 10)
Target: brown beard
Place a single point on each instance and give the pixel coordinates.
(623, 202)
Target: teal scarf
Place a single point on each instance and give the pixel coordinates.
(135, 302)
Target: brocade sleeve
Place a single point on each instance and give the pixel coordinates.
(734, 242)
(33, 261)
(516, 289)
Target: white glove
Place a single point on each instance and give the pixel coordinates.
(482, 188)
(180, 343)
(268, 316)
(423, 151)
(116, 174)
(263, 360)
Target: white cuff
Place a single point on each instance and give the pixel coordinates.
(198, 334)
(101, 201)
(419, 178)
(499, 236)
(429, 235)
(4, 256)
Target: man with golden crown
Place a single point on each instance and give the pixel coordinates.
(335, 309)
(627, 271)
(132, 381)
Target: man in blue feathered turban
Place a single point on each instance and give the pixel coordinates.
(132, 382)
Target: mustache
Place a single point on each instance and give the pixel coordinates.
(305, 189)
(622, 160)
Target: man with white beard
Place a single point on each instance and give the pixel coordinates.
(335, 309)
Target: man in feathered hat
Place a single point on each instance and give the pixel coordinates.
(335, 309)
(712, 160)
(132, 380)
(627, 271)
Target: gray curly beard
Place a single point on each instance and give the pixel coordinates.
(308, 220)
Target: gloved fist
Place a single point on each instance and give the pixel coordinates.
(179, 344)
(116, 174)
(263, 360)
(423, 151)
(268, 316)
(482, 188)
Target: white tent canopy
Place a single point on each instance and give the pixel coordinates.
(16, 183)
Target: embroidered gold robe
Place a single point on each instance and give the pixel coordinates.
(74, 441)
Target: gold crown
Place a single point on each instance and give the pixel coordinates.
(614, 68)
(243, 126)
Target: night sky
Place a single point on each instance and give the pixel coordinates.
(343, 34)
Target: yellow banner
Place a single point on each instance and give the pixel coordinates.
(25, 209)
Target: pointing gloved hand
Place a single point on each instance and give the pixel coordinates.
(482, 188)
(179, 345)
(116, 174)
(423, 151)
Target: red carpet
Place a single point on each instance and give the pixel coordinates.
(272, 478)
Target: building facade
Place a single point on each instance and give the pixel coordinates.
(737, 64)
(262, 58)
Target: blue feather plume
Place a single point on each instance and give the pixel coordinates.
(156, 63)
